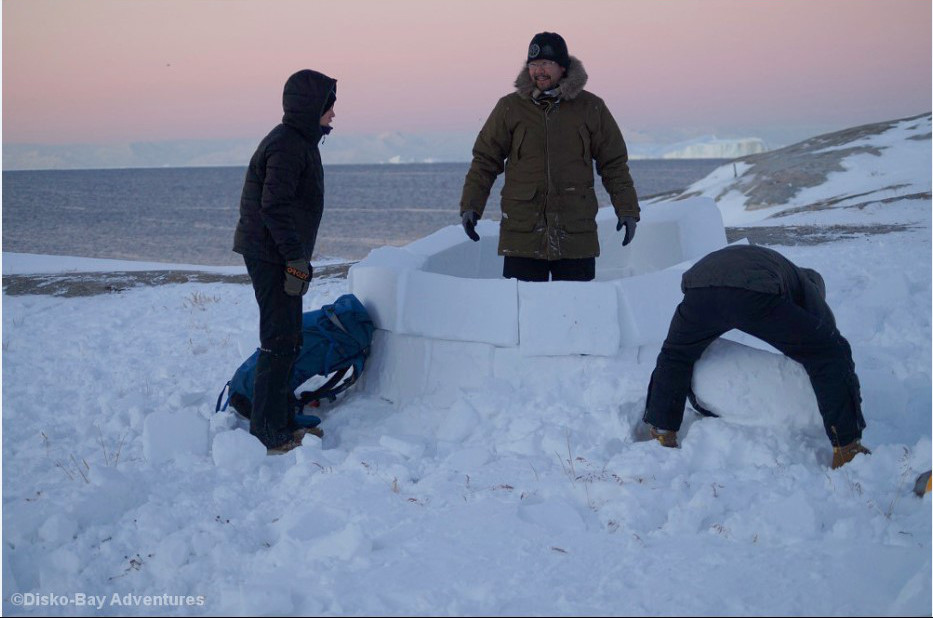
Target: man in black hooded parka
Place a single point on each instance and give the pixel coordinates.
(280, 211)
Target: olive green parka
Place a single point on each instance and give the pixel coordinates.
(548, 201)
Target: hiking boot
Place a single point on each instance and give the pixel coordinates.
(844, 454)
(664, 437)
(295, 441)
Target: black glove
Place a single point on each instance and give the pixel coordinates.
(297, 277)
(468, 218)
(630, 224)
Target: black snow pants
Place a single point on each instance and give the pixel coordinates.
(532, 269)
(812, 340)
(279, 344)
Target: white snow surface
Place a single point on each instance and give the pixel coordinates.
(125, 494)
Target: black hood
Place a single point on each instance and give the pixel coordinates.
(308, 94)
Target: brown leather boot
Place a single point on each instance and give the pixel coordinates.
(844, 454)
(295, 442)
(666, 438)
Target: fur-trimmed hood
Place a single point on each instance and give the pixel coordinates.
(571, 85)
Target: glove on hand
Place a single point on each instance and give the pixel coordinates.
(468, 219)
(630, 224)
(297, 277)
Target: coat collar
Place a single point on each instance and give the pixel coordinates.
(571, 85)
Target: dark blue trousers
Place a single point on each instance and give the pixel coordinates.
(279, 343)
(812, 340)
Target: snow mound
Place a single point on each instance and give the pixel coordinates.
(167, 435)
(237, 450)
(754, 387)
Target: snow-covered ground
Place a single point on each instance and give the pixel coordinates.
(122, 488)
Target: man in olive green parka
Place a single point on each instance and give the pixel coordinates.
(546, 136)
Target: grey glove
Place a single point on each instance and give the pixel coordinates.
(630, 224)
(468, 218)
(297, 277)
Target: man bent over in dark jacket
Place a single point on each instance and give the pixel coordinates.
(760, 292)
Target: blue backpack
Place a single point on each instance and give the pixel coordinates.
(335, 341)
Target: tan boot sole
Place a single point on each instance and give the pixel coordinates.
(295, 443)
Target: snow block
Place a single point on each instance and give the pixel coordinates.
(376, 281)
(460, 309)
(568, 317)
(751, 386)
(237, 450)
(167, 434)
(700, 226)
(669, 233)
(449, 252)
(647, 303)
(396, 366)
(401, 367)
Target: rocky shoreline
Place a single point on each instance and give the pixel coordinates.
(93, 283)
(74, 284)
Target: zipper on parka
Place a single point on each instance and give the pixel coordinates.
(547, 191)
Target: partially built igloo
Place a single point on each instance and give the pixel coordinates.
(441, 300)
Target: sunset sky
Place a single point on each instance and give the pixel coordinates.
(110, 71)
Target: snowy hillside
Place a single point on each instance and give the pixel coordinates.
(124, 494)
(857, 173)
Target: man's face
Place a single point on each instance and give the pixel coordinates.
(545, 73)
(328, 117)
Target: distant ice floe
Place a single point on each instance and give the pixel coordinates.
(714, 148)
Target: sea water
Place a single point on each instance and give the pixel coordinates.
(187, 215)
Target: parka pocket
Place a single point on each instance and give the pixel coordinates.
(585, 138)
(519, 207)
(517, 139)
(578, 207)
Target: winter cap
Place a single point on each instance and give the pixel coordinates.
(549, 46)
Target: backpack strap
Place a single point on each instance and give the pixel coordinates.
(329, 390)
(226, 389)
(696, 405)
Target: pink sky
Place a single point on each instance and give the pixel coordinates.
(111, 71)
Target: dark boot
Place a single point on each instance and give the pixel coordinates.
(270, 413)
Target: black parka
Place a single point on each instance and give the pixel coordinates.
(283, 194)
(760, 269)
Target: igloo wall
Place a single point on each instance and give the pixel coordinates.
(441, 305)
